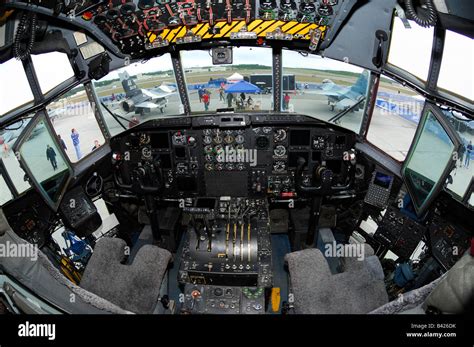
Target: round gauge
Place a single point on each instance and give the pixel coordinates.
(209, 166)
(218, 150)
(146, 153)
(128, 9)
(325, 10)
(208, 149)
(239, 139)
(319, 142)
(179, 138)
(279, 166)
(219, 166)
(207, 132)
(113, 14)
(207, 140)
(279, 135)
(217, 139)
(267, 130)
(145, 4)
(262, 142)
(279, 151)
(240, 166)
(229, 166)
(144, 139)
(191, 141)
(239, 147)
(229, 139)
(209, 157)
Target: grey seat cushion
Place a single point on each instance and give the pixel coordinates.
(134, 287)
(357, 290)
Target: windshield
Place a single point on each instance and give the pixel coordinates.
(137, 93)
(245, 84)
(324, 88)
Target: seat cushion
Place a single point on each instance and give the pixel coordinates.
(134, 287)
(317, 291)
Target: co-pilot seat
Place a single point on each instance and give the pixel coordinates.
(358, 289)
(134, 287)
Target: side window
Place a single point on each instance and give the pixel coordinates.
(6, 193)
(17, 91)
(8, 137)
(410, 49)
(52, 69)
(395, 118)
(75, 124)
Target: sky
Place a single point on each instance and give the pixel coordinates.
(410, 50)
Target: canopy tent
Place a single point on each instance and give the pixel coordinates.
(243, 87)
(234, 78)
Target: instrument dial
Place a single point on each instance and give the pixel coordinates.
(217, 139)
(207, 140)
(229, 139)
(208, 149)
(209, 157)
(209, 166)
(239, 139)
(280, 135)
(219, 166)
(144, 139)
(319, 142)
(279, 166)
(179, 138)
(279, 151)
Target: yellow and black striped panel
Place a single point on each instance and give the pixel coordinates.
(258, 26)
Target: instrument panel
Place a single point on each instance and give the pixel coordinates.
(137, 26)
(255, 160)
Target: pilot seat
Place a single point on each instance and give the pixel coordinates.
(319, 286)
(133, 286)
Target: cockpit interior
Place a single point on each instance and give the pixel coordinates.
(278, 157)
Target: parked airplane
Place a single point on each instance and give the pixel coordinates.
(341, 98)
(140, 100)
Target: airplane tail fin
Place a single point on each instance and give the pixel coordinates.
(128, 84)
(360, 87)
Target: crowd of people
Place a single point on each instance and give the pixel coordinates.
(240, 101)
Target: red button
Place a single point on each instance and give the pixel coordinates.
(87, 15)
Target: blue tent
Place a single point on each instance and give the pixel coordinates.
(243, 87)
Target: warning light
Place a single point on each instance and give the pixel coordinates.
(87, 15)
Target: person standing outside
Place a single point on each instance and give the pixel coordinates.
(200, 93)
(221, 94)
(468, 154)
(51, 157)
(286, 101)
(62, 143)
(206, 100)
(230, 98)
(96, 145)
(76, 143)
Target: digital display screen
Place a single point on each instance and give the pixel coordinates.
(382, 180)
(186, 183)
(165, 160)
(159, 140)
(300, 138)
(206, 203)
